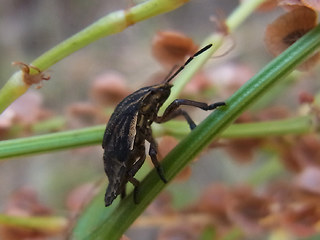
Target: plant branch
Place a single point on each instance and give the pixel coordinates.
(45, 224)
(179, 129)
(108, 25)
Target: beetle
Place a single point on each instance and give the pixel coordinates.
(130, 126)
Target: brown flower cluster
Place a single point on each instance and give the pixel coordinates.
(291, 208)
(25, 203)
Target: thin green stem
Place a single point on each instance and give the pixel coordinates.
(296, 125)
(51, 142)
(108, 25)
(241, 13)
(45, 224)
(180, 129)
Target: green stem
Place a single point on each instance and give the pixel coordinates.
(296, 125)
(51, 142)
(45, 224)
(180, 129)
(108, 25)
(241, 13)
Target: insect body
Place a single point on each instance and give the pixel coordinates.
(130, 126)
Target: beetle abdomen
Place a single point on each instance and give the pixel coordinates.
(117, 173)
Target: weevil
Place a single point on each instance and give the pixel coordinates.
(130, 126)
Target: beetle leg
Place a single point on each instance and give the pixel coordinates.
(173, 110)
(123, 193)
(134, 169)
(136, 166)
(176, 113)
(178, 102)
(153, 151)
(136, 184)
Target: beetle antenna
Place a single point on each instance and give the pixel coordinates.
(173, 75)
(170, 73)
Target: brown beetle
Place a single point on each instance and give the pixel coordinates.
(130, 126)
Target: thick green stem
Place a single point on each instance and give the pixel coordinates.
(124, 214)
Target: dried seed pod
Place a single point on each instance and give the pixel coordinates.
(287, 29)
(306, 97)
(171, 47)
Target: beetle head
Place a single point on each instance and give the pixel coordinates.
(160, 93)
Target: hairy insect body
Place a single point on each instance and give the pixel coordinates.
(125, 135)
(130, 126)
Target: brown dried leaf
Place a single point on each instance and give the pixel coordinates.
(287, 29)
(30, 79)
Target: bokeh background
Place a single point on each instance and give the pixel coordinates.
(30, 27)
